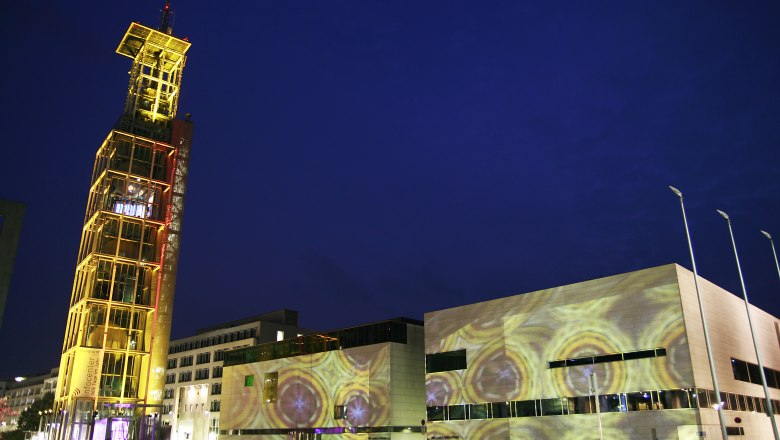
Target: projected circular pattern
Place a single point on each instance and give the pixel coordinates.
(507, 356)
(300, 399)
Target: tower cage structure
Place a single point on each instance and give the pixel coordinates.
(112, 369)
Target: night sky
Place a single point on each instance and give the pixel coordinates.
(358, 161)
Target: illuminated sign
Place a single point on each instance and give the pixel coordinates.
(86, 373)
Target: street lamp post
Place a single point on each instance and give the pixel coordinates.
(770, 411)
(594, 390)
(703, 319)
(772, 243)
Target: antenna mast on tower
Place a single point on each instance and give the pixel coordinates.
(166, 21)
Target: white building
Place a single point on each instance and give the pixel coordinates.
(23, 391)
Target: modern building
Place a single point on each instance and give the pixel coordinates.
(193, 384)
(11, 217)
(115, 347)
(23, 391)
(621, 357)
(360, 382)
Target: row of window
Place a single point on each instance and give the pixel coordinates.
(376, 333)
(24, 392)
(216, 389)
(214, 340)
(445, 361)
(202, 358)
(612, 357)
(319, 431)
(456, 359)
(200, 374)
(749, 372)
(621, 402)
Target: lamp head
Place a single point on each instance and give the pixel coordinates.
(766, 234)
(723, 214)
(675, 191)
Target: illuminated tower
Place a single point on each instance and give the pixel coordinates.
(114, 353)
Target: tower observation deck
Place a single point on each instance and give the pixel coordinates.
(112, 369)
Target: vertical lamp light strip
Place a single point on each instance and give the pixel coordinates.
(151, 374)
(719, 406)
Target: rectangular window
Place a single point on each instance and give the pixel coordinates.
(279, 335)
(219, 355)
(638, 401)
(525, 408)
(185, 376)
(202, 374)
(554, 407)
(611, 403)
(675, 399)
(270, 382)
(587, 360)
(457, 412)
(186, 361)
(735, 430)
(499, 410)
(170, 378)
(215, 405)
(446, 361)
(171, 363)
(478, 411)
(217, 372)
(216, 388)
(435, 413)
(249, 380)
(616, 357)
(771, 378)
(755, 373)
(740, 370)
(204, 358)
(642, 354)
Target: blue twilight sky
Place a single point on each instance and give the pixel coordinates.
(357, 161)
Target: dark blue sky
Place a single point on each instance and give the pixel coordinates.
(357, 161)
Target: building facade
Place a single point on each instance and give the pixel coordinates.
(193, 384)
(116, 339)
(621, 357)
(23, 391)
(360, 382)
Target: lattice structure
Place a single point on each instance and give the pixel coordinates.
(112, 370)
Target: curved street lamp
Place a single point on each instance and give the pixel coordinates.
(719, 407)
(772, 243)
(769, 410)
